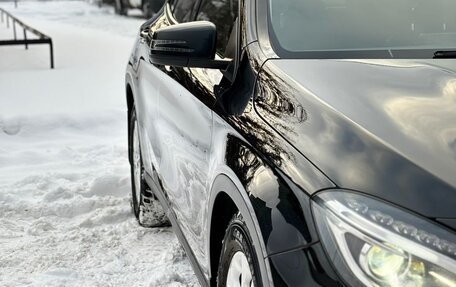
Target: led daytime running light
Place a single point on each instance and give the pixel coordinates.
(377, 244)
(373, 229)
(404, 229)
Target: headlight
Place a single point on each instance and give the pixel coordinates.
(373, 243)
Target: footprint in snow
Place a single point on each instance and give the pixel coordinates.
(40, 227)
(11, 128)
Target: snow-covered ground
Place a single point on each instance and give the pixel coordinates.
(65, 215)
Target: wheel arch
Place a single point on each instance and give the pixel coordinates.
(223, 210)
(130, 98)
(275, 208)
(130, 104)
(226, 200)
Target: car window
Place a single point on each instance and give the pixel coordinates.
(325, 25)
(182, 10)
(222, 13)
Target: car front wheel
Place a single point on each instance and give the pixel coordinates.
(238, 265)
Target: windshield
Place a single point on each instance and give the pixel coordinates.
(362, 25)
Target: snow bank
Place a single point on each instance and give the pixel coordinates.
(65, 215)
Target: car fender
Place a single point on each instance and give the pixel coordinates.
(273, 207)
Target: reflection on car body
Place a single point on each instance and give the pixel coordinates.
(291, 143)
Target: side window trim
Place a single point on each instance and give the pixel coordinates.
(197, 10)
(193, 12)
(220, 50)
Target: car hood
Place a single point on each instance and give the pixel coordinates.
(407, 108)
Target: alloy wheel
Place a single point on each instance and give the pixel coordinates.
(239, 273)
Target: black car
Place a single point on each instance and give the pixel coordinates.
(149, 7)
(299, 142)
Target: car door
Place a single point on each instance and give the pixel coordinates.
(152, 81)
(182, 133)
(222, 13)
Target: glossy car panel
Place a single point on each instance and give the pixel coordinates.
(268, 134)
(392, 136)
(303, 267)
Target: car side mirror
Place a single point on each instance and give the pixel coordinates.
(190, 45)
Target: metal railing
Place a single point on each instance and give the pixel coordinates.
(42, 38)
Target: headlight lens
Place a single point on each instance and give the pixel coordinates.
(372, 243)
(383, 263)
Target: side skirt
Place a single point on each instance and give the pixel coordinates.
(158, 192)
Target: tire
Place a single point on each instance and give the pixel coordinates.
(119, 8)
(238, 264)
(145, 205)
(148, 13)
